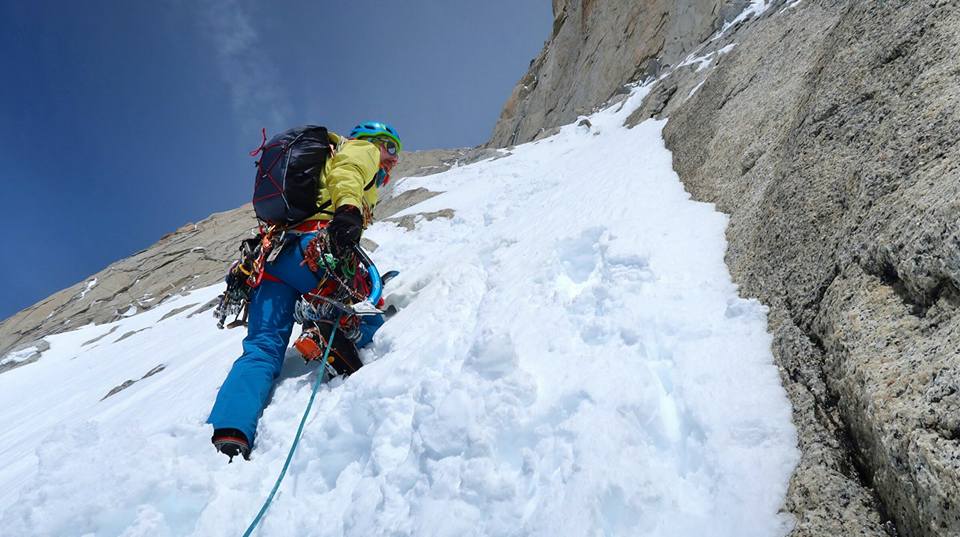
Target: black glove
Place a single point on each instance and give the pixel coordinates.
(345, 229)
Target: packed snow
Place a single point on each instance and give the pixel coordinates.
(753, 9)
(570, 358)
(19, 356)
(705, 60)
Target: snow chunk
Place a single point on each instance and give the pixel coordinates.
(20, 356)
(87, 289)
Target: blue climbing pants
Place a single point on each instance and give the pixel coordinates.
(246, 389)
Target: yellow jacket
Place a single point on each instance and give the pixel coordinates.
(349, 178)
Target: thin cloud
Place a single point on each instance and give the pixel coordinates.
(256, 98)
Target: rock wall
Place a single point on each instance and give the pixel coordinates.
(596, 47)
(830, 135)
(828, 131)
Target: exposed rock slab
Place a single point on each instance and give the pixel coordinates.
(127, 383)
(419, 163)
(830, 135)
(409, 221)
(597, 47)
(395, 204)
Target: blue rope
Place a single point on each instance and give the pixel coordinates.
(296, 439)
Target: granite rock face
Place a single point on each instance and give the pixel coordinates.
(417, 163)
(194, 256)
(829, 134)
(595, 48)
(828, 131)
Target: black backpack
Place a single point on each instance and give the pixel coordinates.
(288, 174)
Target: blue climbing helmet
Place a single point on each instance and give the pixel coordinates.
(375, 129)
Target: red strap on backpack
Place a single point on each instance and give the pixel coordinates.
(263, 143)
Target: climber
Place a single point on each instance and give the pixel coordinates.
(347, 192)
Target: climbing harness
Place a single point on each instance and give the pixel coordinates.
(348, 291)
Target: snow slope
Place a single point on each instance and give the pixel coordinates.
(570, 359)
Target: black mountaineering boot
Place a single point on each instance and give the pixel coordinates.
(343, 355)
(231, 443)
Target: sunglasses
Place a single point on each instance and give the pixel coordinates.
(387, 144)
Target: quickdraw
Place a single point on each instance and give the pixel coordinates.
(246, 273)
(344, 292)
(319, 257)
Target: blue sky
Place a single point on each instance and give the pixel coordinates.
(121, 121)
